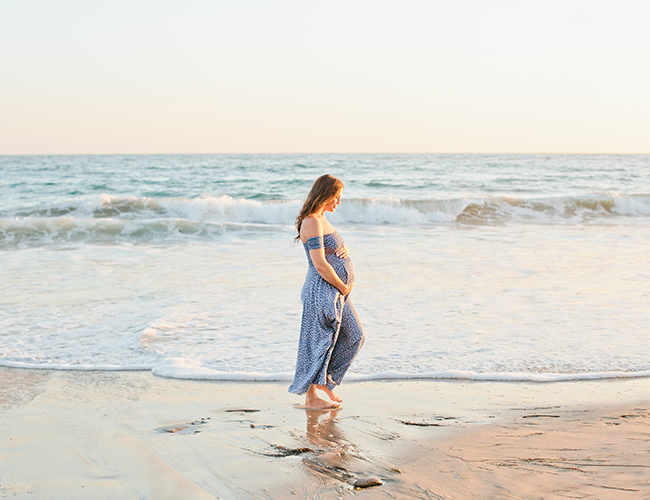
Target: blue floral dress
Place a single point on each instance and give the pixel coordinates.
(331, 333)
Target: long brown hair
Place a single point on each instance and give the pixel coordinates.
(324, 189)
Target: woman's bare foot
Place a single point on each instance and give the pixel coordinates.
(313, 402)
(327, 391)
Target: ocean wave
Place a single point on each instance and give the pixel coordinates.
(572, 209)
(366, 210)
(16, 232)
(203, 209)
(110, 218)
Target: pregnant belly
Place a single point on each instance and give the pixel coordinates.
(343, 268)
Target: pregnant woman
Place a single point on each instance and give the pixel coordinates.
(331, 333)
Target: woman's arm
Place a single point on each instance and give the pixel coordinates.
(312, 227)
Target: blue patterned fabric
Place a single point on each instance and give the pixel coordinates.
(314, 243)
(331, 333)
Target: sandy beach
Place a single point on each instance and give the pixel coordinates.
(127, 435)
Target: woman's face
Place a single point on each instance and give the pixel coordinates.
(330, 205)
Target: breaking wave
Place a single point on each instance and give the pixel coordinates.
(107, 218)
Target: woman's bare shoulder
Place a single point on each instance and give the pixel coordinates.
(311, 226)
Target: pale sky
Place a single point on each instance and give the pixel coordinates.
(244, 76)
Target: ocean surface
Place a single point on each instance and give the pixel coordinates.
(485, 267)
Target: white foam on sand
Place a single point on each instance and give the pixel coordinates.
(186, 369)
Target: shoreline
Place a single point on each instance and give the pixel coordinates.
(107, 434)
(444, 376)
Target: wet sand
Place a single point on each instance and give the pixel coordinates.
(133, 435)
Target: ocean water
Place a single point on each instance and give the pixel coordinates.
(486, 267)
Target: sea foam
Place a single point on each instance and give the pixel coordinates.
(181, 368)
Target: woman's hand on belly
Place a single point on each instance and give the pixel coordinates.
(343, 252)
(347, 290)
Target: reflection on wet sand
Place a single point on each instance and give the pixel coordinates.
(322, 428)
(338, 455)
